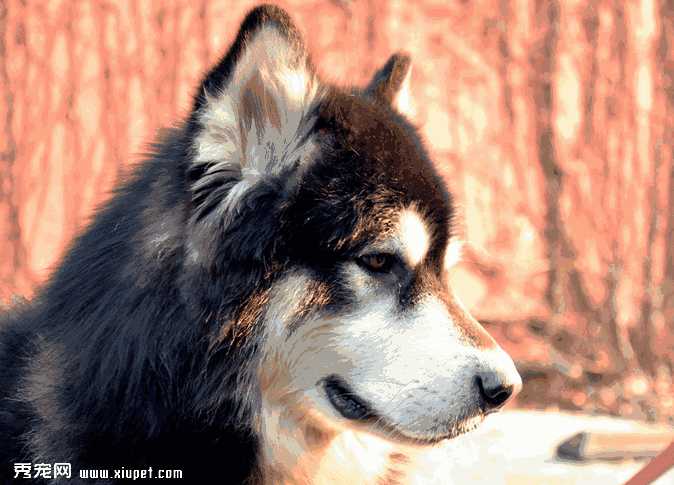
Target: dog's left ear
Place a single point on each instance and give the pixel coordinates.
(391, 83)
(250, 135)
(253, 112)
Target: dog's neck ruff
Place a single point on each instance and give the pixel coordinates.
(296, 450)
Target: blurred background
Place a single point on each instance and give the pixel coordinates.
(552, 121)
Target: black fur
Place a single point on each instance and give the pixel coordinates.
(129, 355)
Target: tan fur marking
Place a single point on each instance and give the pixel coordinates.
(399, 458)
(257, 104)
(316, 437)
(470, 328)
(392, 477)
(395, 473)
(240, 329)
(317, 296)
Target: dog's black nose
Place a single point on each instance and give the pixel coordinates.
(494, 391)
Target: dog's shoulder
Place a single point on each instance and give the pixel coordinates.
(16, 350)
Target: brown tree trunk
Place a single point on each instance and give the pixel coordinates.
(543, 63)
(666, 65)
(13, 259)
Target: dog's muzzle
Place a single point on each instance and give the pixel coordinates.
(491, 387)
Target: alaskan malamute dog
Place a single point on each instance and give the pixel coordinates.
(264, 301)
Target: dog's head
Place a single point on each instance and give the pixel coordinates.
(327, 197)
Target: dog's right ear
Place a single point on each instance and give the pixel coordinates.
(391, 83)
(252, 113)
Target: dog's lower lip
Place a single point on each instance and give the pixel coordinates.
(350, 406)
(345, 401)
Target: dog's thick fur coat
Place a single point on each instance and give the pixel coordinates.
(263, 301)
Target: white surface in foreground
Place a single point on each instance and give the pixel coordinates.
(518, 448)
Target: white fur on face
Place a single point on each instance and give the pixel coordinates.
(416, 368)
(413, 236)
(257, 125)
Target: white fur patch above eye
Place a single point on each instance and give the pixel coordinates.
(414, 236)
(453, 253)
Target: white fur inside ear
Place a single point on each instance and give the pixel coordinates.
(257, 124)
(402, 101)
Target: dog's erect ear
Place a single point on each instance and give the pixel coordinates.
(253, 112)
(392, 83)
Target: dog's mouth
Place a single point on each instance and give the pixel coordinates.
(354, 408)
(345, 401)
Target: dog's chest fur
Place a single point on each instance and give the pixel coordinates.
(295, 451)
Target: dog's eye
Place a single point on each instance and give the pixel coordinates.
(377, 262)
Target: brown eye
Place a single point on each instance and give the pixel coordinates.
(377, 262)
